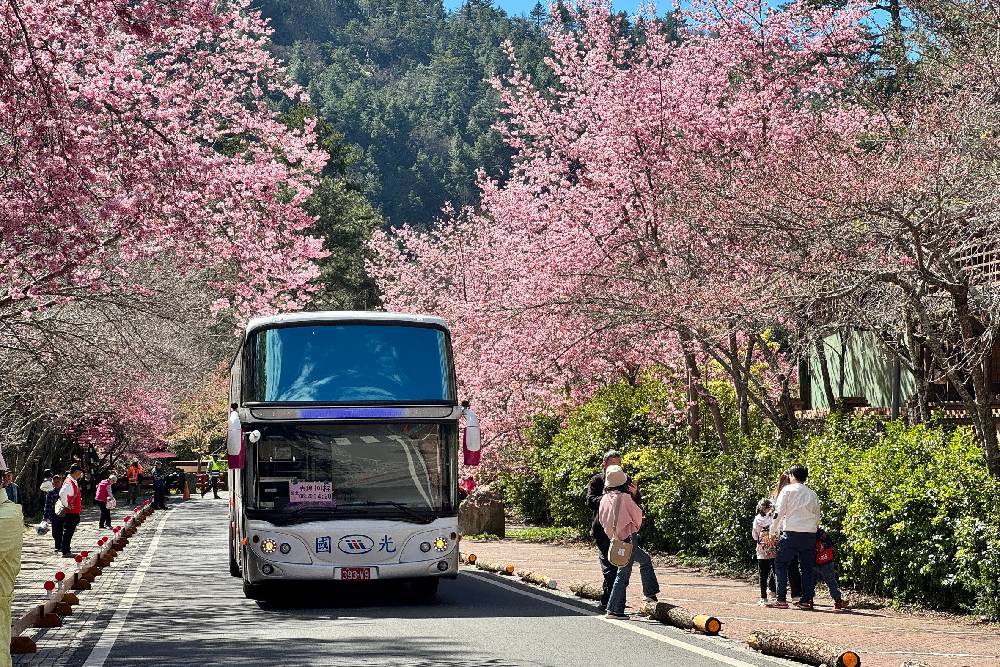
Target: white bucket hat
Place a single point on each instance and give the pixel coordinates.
(614, 476)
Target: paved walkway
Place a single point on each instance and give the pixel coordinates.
(884, 637)
(40, 561)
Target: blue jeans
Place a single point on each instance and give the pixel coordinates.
(829, 575)
(650, 586)
(790, 545)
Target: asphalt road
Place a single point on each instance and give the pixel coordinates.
(181, 607)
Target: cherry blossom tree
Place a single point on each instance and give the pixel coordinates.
(148, 191)
(658, 193)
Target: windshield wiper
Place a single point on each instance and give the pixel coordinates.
(402, 507)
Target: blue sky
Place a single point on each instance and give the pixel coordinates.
(517, 7)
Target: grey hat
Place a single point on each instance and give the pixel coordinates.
(611, 453)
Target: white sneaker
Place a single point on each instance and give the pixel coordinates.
(762, 602)
(649, 598)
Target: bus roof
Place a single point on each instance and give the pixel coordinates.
(343, 316)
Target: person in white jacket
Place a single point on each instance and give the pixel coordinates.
(796, 519)
(766, 546)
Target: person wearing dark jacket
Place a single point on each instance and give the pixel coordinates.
(595, 491)
(50, 515)
(161, 482)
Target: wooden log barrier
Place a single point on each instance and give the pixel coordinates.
(48, 619)
(679, 617)
(584, 590)
(21, 645)
(62, 608)
(499, 568)
(787, 644)
(70, 598)
(537, 579)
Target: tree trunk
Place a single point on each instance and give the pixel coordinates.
(740, 375)
(701, 392)
(693, 409)
(813, 651)
(983, 419)
(919, 372)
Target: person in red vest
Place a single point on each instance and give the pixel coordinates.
(134, 474)
(72, 500)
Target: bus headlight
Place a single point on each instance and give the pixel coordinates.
(269, 546)
(285, 548)
(425, 546)
(440, 544)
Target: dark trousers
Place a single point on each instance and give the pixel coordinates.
(609, 571)
(57, 531)
(794, 578)
(215, 487)
(70, 522)
(105, 521)
(802, 545)
(159, 500)
(765, 567)
(133, 493)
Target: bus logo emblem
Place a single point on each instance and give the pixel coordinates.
(355, 544)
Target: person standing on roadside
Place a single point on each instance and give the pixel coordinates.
(595, 491)
(49, 513)
(214, 472)
(794, 571)
(11, 537)
(796, 519)
(72, 500)
(621, 519)
(160, 482)
(104, 498)
(7, 482)
(134, 477)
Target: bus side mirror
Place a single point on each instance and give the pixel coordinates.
(471, 439)
(234, 442)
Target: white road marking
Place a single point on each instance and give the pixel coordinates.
(107, 640)
(369, 439)
(632, 627)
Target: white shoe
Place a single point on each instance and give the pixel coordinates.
(649, 598)
(762, 602)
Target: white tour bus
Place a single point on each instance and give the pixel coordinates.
(343, 450)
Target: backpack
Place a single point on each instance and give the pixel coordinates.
(824, 553)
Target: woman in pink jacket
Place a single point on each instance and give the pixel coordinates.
(102, 497)
(621, 517)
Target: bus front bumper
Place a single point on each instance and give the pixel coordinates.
(260, 570)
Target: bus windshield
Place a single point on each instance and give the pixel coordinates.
(351, 363)
(360, 467)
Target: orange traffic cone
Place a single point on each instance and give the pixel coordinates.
(187, 493)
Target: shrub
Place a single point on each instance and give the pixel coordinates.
(912, 508)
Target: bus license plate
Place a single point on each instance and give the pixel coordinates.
(356, 573)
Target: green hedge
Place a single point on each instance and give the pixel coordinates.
(912, 508)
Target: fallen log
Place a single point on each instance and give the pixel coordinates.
(496, 567)
(679, 617)
(584, 590)
(537, 579)
(811, 650)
